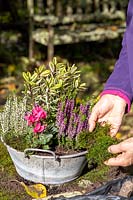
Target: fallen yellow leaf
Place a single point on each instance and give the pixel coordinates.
(36, 191)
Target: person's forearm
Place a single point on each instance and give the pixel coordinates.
(120, 81)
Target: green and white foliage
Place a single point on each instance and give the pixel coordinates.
(49, 85)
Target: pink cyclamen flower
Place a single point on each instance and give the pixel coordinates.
(30, 119)
(39, 128)
(39, 113)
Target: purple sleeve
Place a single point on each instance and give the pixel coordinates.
(119, 81)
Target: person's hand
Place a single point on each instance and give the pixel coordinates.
(110, 109)
(125, 150)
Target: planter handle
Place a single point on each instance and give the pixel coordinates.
(40, 150)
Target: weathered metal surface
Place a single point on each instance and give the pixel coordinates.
(48, 169)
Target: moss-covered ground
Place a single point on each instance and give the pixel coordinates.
(9, 190)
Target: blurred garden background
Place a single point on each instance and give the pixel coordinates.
(87, 33)
(95, 57)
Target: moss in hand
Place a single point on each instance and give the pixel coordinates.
(97, 143)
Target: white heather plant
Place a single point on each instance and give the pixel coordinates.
(12, 117)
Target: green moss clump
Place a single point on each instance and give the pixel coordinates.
(98, 148)
(16, 141)
(97, 143)
(98, 174)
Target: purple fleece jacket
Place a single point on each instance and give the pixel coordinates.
(120, 81)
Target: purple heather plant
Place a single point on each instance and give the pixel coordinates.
(71, 119)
